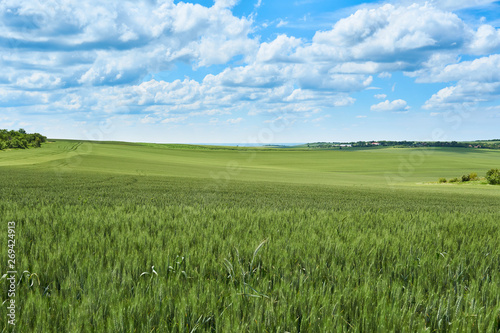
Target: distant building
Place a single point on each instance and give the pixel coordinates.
(375, 143)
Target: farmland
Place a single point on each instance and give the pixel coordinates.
(129, 237)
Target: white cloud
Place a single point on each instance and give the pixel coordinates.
(390, 33)
(385, 75)
(90, 57)
(234, 121)
(477, 81)
(310, 77)
(369, 67)
(148, 119)
(394, 106)
(225, 3)
(281, 23)
(464, 94)
(343, 100)
(39, 80)
(280, 49)
(485, 40)
(16, 98)
(120, 42)
(485, 69)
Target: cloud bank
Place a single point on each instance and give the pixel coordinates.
(94, 59)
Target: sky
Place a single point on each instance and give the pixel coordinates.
(260, 71)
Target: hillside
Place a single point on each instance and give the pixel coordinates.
(123, 237)
(379, 167)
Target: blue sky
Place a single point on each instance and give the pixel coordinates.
(251, 71)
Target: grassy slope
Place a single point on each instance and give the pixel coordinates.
(92, 217)
(367, 167)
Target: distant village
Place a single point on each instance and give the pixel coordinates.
(483, 144)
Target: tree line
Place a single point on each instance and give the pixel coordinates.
(485, 144)
(20, 139)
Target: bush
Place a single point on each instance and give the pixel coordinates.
(454, 180)
(15, 143)
(473, 176)
(442, 180)
(493, 177)
(465, 178)
(37, 143)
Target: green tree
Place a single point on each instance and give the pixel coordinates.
(20, 139)
(37, 143)
(24, 143)
(15, 143)
(493, 176)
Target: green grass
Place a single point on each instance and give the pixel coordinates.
(378, 167)
(341, 248)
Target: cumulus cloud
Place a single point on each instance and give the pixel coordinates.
(485, 40)
(397, 105)
(464, 94)
(477, 81)
(280, 49)
(39, 80)
(485, 69)
(390, 33)
(121, 42)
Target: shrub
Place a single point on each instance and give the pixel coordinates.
(454, 180)
(37, 143)
(442, 180)
(493, 177)
(15, 143)
(473, 176)
(24, 143)
(465, 178)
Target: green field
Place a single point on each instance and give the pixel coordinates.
(249, 239)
